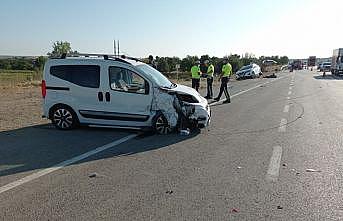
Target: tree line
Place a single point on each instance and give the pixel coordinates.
(168, 64)
(23, 63)
(164, 64)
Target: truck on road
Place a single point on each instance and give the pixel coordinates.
(311, 61)
(297, 65)
(337, 61)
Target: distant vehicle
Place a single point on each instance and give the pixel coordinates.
(270, 66)
(249, 71)
(297, 65)
(304, 65)
(117, 92)
(337, 61)
(269, 62)
(284, 67)
(311, 61)
(325, 66)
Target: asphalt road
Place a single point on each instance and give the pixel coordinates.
(250, 165)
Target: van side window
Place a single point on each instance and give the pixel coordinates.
(125, 80)
(81, 75)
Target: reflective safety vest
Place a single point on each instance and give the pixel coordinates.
(195, 70)
(227, 70)
(210, 70)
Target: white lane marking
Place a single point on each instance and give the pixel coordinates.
(274, 165)
(290, 88)
(286, 109)
(289, 92)
(288, 98)
(283, 125)
(64, 164)
(252, 88)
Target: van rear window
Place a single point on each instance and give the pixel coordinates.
(82, 75)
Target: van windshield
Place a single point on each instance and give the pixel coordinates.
(156, 76)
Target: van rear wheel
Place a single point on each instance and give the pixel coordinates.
(64, 118)
(161, 125)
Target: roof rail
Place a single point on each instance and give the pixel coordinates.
(131, 58)
(105, 56)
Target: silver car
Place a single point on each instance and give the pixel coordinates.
(249, 71)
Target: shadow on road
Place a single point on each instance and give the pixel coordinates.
(328, 77)
(42, 146)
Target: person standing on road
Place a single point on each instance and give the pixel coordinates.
(209, 76)
(152, 62)
(224, 77)
(196, 73)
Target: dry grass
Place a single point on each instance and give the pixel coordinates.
(13, 78)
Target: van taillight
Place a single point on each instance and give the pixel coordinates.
(43, 89)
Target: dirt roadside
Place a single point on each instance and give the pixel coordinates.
(20, 107)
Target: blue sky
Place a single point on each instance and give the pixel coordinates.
(297, 28)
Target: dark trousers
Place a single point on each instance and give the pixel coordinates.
(209, 87)
(195, 83)
(223, 88)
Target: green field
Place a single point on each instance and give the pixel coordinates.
(13, 78)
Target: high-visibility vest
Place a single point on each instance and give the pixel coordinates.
(227, 70)
(210, 70)
(195, 70)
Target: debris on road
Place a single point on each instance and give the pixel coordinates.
(312, 170)
(239, 167)
(169, 192)
(270, 76)
(92, 175)
(284, 165)
(279, 207)
(234, 210)
(185, 132)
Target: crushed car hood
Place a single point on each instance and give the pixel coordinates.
(188, 90)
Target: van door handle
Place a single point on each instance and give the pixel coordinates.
(108, 96)
(100, 96)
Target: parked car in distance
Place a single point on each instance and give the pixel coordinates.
(337, 62)
(99, 90)
(249, 71)
(269, 62)
(325, 66)
(304, 65)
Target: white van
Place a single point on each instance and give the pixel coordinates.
(101, 90)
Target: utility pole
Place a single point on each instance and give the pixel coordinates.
(114, 47)
(118, 48)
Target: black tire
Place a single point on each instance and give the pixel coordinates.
(161, 124)
(64, 118)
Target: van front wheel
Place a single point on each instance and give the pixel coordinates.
(64, 118)
(161, 124)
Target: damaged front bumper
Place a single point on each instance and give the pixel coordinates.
(202, 115)
(183, 107)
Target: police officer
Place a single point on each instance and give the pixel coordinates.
(196, 73)
(224, 77)
(209, 76)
